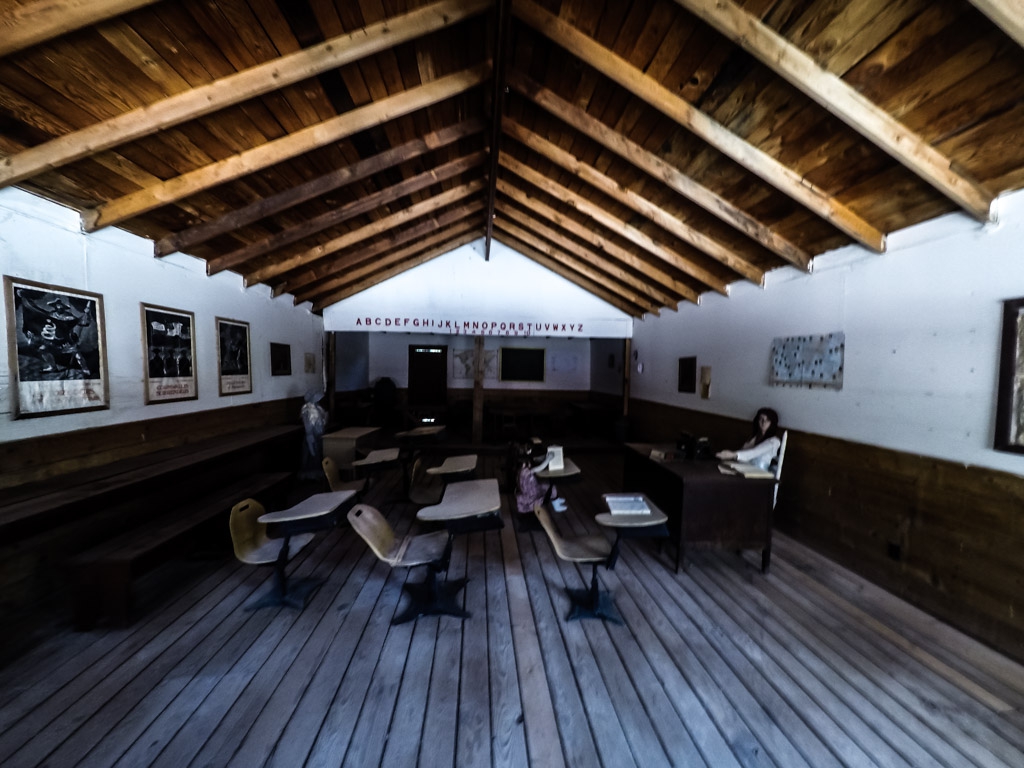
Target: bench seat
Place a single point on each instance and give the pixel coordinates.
(102, 577)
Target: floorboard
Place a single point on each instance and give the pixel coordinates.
(717, 666)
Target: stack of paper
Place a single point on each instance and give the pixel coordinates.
(748, 470)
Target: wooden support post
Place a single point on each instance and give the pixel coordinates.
(478, 389)
(627, 365)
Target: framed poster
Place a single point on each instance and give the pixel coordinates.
(57, 349)
(1010, 396)
(169, 354)
(234, 371)
(280, 359)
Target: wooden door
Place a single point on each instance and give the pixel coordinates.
(428, 375)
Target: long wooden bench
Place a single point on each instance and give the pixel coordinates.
(30, 509)
(102, 577)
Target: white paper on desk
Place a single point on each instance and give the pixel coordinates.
(627, 505)
(556, 461)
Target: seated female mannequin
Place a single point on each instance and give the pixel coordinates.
(763, 445)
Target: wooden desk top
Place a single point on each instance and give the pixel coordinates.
(466, 499)
(654, 517)
(380, 456)
(351, 433)
(454, 465)
(568, 469)
(317, 505)
(425, 431)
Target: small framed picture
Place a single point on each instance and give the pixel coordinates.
(169, 354)
(233, 361)
(280, 359)
(1010, 395)
(57, 349)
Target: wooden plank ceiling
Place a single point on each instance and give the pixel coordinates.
(648, 150)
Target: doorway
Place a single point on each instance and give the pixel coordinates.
(428, 376)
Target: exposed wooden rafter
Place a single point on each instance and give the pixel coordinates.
(605, 219)
(343, 213)
(1008, 15)
(234, 89)
(32, 23)
(497, 109)
(279, 150)
(658, 168)
(828, 90)
(404, 265)
(644, 207)
(397, 219)
(763, 165)
(591, 235)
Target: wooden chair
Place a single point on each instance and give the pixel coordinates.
(776, 465)
(333, 475)
(595, 549)
(253, 547)
(430, 549)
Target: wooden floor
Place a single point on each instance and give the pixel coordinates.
(718, 666)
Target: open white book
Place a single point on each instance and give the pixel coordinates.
(556, 460)
(627, 505)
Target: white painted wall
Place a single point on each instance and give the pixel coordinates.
(567, 361)
(460, 292)
(42, 241)
(922, 325)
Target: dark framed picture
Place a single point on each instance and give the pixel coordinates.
(280, 359)
(233, 361)
(688, 374)
(1010, 397)
(169, 354)
(57, 349)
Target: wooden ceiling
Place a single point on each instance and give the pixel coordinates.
(648, 150)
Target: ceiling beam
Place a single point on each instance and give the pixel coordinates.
(592, 236)
(28, 24)
(268, 206)
(831, 92)
(233, 89)
(330, 268)
(661, 170)
(276, 151)
(620, 227)
(1008, 15)
(343, 213)
(646, 88)
(374, 228)
(551, 264)
(615, 190)
(574, 264)
(497, 109)
(387, 274)
(371, 260)
(598, 267)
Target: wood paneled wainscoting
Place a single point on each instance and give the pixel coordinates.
(62, 494)
(946, 537)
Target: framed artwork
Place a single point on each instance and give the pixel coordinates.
(808, 361)
(57, 349)
(280, 359)
(1010, 397)
(688, 374)
(234, 370)
(169, 354)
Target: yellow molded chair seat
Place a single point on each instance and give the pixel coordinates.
(594, 549)
(333, 475)
(253, 547)
(430, 549)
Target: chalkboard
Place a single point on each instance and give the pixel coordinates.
(519, 364)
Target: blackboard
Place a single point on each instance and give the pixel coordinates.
(519, 364)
